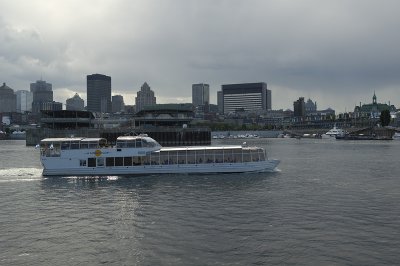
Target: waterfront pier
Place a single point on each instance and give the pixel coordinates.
(164, 135)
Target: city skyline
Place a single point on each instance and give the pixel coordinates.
(336, 52)
(64, 102)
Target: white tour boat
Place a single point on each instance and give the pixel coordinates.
(143, 155)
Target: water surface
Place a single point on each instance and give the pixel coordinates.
(331, 203)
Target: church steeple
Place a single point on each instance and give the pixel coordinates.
(374, 99)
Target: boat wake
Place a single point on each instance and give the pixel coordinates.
(20, 174)
(108, 178)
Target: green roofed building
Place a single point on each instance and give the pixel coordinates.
(372, 110)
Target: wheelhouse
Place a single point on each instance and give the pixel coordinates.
(141, 141)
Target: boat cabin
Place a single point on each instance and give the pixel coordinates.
(182, 156)
(51, 147)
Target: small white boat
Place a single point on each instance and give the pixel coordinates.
(220, 136)
(143, 155)
(335, 132)
(18, 135)
(396, 136)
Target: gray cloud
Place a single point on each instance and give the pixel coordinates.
(336, 52)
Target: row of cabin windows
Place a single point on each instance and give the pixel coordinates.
(74, 145)
(79, 145)
(181, 157)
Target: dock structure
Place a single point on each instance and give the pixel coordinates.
(164, 136)
(371, 133)
(301, 132)
(168, 124)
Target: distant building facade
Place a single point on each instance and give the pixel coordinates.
(144, 97)
(117, 103)
(374, 109)
(76, 103)
(200, 94)
(299, 108)
(320, 115)
(24, 101)
(8, 100)
(51, 106)
(248, 97)
(130, 109)
(42, 93)
(176, 115)
(310, 106)
(98, 93)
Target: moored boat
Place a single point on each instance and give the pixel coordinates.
(2, 135)
(336, 132)
(143, 155)
(18, 135)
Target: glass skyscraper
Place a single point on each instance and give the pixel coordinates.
(248, 97)
(24, 101)
(98, 93)
(200, 94)
(42, 94)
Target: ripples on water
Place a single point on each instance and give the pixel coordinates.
(331, 203)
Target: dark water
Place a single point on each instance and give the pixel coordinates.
(332, 203)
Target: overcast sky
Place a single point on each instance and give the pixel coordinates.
(336, 52)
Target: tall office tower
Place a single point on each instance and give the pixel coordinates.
(98, 93)
(144, 97)
(200, 94)
(299, 108)
(249, 97)
(24, 101)
(117, 103)
(8, 100)
(220, 102)
(42, 93)
(268, 100)
(76, 103)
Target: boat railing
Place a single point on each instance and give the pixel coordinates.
(50, 152)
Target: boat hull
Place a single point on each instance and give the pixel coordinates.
(264, 166)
